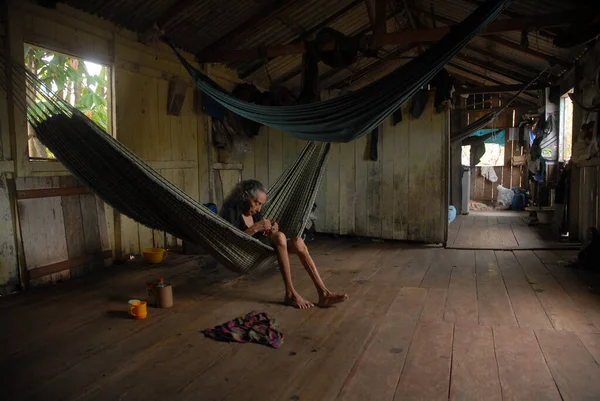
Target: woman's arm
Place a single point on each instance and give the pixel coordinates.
(253, 229)
(259, 226)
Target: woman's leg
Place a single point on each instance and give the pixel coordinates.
(279, 242)
(326, 297)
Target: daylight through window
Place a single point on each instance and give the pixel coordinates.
(81, 83)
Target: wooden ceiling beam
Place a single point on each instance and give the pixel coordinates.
(364, 29)
(392, 55)
(524, 97)
(481, 80)
(546, 32)
(504, 60)
(477, 90)
(397, 38)
(305, 35)
(495, 69)
(553, 60)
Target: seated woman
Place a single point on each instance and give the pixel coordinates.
(242, 209)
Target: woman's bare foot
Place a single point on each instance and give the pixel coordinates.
(297, 301)
(328, 299)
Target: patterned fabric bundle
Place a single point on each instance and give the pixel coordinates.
(254, 327)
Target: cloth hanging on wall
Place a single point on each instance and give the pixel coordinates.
(373, 144)
(357, 113)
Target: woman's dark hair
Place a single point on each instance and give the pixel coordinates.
(236, 196)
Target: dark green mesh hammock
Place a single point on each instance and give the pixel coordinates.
(357, 113)
(133, 188)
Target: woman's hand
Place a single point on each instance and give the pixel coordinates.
(274, 227)
(262, 225)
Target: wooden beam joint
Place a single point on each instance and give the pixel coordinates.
(381, 38)
(496, 89)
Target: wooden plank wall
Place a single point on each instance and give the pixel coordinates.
(587, 190)
(176, 146)
(403, 195)
(58, 229)
(9, 272)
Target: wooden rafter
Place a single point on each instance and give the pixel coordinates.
(363, 30)
(553, 60)
(525, 97)
(260, 18)
(530, 70)
(392, 55)
(494, 68)
(400, 38)
(568, 19)
(481, 80)
(497, 89)
(546, 32)
(306, 34)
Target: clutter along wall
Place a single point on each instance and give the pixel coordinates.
(513, 173)
(402, 195)
(177, 146)
(584, 201)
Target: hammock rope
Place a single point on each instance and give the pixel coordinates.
(357, 113)
(133, 188)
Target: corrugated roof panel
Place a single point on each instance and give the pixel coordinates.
(132, 14)
(204, 23)
(210, 20)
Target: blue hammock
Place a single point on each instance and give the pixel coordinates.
(355, 114)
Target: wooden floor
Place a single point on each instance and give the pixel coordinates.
(421, 324)
(503, 230)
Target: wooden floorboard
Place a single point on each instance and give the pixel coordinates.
(524, 375)
(494, 307)
(193, 356)
(435, 305)
(497, 232)
(573, 368)
(426, 374)
(562, 311)
(591, 341)
(245, 369)
(525, 304)
(474, 365)
(576, 283)
(421, 323)
(377, 371)
(461, 300)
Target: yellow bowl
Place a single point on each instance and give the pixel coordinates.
(154, 255)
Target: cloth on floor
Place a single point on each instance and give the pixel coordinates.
(478, 206)
(254, 327)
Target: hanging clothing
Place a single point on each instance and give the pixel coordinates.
(489, 173)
